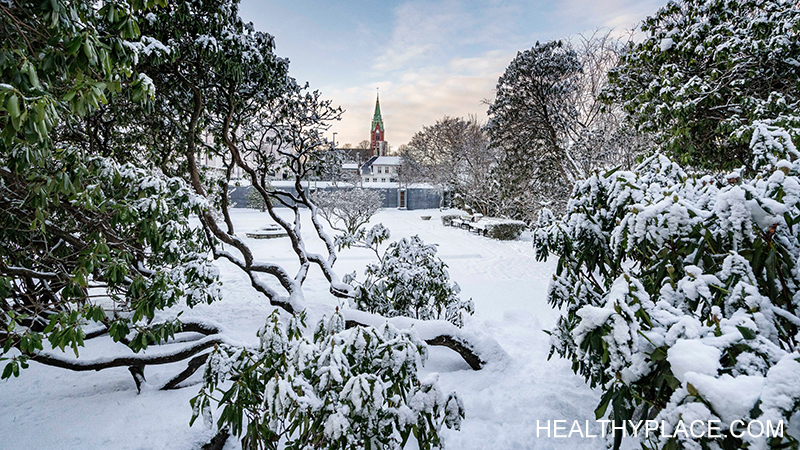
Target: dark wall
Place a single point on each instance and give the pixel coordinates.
(417, 198)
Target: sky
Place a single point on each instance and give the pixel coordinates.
(428, 59)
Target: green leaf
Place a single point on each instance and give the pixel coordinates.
(600, 412)
(9, 369)
(12, 106)
(747, 333)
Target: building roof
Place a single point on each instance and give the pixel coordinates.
(388, 161)
(351, 166)
(376, 118)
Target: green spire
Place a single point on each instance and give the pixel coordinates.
(376, 118)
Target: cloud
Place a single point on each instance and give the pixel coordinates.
(444, 58)
(420, 96)
(421, 31)
(615, 14)
(427, 69)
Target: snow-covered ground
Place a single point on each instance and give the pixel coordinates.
(49, 408)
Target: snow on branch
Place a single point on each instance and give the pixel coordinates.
(79, 365)
(477, 350)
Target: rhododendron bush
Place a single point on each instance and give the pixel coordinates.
(679, 294)
(342, 389)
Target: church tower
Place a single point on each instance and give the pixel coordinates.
(377, 143)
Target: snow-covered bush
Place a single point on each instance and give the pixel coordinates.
(409, 280)
(255, 200)
(680, 294)
(341, 389)
(124, 236)
(447, 219)
(710, 69)
(506, 230)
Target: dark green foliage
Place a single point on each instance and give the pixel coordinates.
(447, 219)
(657, 268)
(528, 124)
(707, 70)
(505, 231)
(73, 222)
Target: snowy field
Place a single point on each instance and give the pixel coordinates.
(49, 408)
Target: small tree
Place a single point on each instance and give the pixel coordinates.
(409, 280)
(255, 200)
(347, 210)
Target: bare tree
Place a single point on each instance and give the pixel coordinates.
(362, 151)
(347, 210)
(598, 137)
(452, 154)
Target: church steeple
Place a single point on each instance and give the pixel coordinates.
(376, 131)
(377, 120)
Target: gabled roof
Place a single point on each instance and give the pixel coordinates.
(388, 161)
(376, 118)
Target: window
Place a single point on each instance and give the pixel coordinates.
(379, 169)
(383, 180)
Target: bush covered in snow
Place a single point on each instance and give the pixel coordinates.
(708, 70)
(506, 230)
(342, 389)
(409, 280)
(447, 219)
(680, 293)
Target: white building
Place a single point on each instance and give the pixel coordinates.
(381, 169)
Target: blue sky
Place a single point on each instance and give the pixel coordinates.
(429, 58)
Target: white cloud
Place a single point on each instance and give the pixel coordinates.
(615, 14)
(427, 69)
(419, 97)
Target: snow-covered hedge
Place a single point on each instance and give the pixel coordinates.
(447, 219)
(680, 294)
(505, 230)
(343, 389)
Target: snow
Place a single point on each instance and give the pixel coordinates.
(388, 161)
(732, 398)
(503, 401)
(689, 355)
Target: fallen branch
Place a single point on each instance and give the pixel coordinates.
(477, 351)
(194, 364)
(132, 360)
